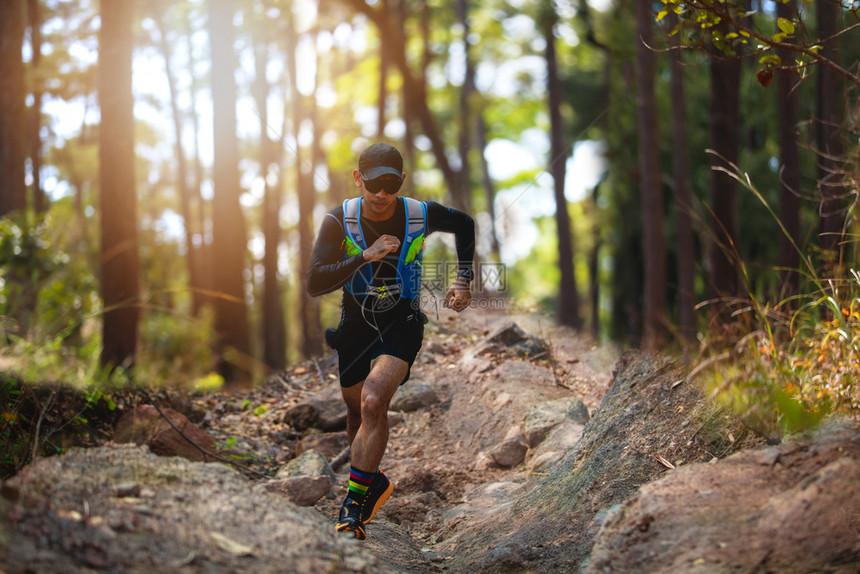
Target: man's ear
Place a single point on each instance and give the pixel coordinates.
(356, 176)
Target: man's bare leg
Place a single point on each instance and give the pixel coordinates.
(367, 411)
(352, 397)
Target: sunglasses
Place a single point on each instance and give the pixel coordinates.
(390, 186)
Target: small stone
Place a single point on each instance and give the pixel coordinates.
(509, 452)
(413, 396)
(488, 349)
(146, 425)
(127, 490)
(300, 490)
(395, 418)
(531, 347)
(767, 456)
(484, 461)
(507, 334)
(311, 463)
(329, 444)
(331, 414)
(542, 418)
(302, 416)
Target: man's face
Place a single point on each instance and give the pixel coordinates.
(380, 204)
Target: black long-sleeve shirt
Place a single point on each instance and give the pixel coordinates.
(329, 270)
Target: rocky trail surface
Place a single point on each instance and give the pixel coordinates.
(516, 446)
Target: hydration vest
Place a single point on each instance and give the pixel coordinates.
(408, 282)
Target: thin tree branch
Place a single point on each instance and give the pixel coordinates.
(726, 15)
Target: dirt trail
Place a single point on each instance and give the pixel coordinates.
(435, 457)
(598, 495)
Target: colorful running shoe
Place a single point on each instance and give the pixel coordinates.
(378, 492)
(350, 519)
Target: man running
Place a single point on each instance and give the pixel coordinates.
(371, 247)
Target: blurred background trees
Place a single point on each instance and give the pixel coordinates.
(167, 164)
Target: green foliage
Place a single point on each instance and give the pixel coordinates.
(824, 355)
(39, 281)
(44, 292)
(13, 424)
(732, 30)
(175, 349)
(801, 363)
(788, 378)
(26, 249)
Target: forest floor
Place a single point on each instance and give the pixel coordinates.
(620, 498)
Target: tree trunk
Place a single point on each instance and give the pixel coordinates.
(274, 333)
(489, 190)
(35, 15)
(461, 195)
(182, 187)
(414, 89)
(383, 82)
(626, 320)
(725, 118)
(120, 282)
(789, 161)
(201, 216)
(311, 343)
(230, 237)
(594, 267)
(567, 309)
(683, 194)
(409, 116)
(828, 135)
(13, 190)
(317, 159)
(651, 196)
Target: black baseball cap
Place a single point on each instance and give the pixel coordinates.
(380, 159)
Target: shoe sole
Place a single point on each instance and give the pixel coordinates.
(380, 501)
(357, 531)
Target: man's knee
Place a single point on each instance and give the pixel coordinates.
(374, 403)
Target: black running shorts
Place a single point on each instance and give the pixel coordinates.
(358, 343)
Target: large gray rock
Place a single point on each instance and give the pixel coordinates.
(542, 418)
(556, 510)
(64, 514)
(752, 512)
